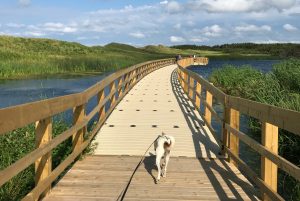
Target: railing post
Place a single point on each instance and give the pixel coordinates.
(234, 121)
(78, 117)
(101, 97)
(197, 98)
(185, 83)
(191, 88)
(269, 170)
(43, 166)
(120, 92)
(112, 88)
(209, 99)
(226, 120)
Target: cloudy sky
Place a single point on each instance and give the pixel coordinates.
(143, 22)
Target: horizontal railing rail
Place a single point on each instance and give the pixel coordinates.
(200, 91)
(42, 112)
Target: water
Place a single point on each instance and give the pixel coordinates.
(14, 92)
(262, 65)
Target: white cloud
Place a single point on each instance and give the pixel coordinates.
(177, 39)
(15, 25)
(173, 7)
(137, 35)
(276, 41)
(35, 34)
(58, 27)
(252, 28)
(198, 40)
(241, 5)
(212, 31)
(24, 3)
(163, 2)
(289, 27)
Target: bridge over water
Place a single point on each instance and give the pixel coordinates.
(134, 105)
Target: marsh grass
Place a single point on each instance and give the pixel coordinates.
(280, 87)
(16, 144)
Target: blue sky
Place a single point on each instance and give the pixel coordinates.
(144, 22)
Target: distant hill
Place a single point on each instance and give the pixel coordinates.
(281, 50)
(26, 57)
(23, 57)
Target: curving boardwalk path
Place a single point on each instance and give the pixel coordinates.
(154, 105)
(196, 172)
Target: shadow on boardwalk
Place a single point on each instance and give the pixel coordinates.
(211, 166)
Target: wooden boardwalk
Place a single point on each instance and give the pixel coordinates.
(196, 172)
(157, 103)
(104, 177)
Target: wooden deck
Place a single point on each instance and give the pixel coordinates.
(104, 177)
(157, 103)
(196, 171)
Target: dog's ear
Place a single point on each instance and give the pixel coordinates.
(162, 133)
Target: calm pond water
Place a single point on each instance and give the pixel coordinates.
(14, 92)
(262, 65)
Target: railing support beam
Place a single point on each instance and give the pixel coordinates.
(234, 120)
(78, 116)
(43, 166)
(269, 170)
(209, 99)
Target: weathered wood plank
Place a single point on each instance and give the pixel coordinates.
(214, 180)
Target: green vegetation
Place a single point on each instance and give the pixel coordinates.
(16, 144)
(251, 50)
(23, 57)
(30, 57)
(280, 87)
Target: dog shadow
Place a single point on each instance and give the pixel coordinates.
(149, 165)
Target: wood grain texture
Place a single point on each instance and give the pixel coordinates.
(104, 177)
(269, 170)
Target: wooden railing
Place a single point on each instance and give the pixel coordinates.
(200, 91)
(41, 112)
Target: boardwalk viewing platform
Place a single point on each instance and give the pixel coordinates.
(135, 105)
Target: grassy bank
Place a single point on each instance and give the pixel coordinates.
(280, 87)
(29, 57)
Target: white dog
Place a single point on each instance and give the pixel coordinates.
(162, 146)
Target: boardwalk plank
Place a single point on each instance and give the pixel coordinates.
(196, 170)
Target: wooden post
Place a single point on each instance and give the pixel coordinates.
(197, 99)
(78, 116)
(269, 169)
(120, 88)
(126, 78)
(185, 84)
(234, 120)
(134, 78)
(209, 99)
(112, 88)
(226, 117)
(191, 88)
(101, 97)
(43, 166)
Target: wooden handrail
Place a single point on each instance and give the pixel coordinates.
(11, 118)
(272, 118)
